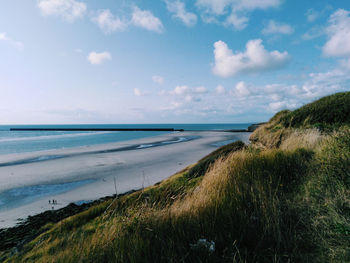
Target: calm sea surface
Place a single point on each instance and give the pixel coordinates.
(31, 141)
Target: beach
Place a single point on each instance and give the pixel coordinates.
(30, 181)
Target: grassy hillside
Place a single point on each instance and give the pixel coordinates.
(327, 112)
(285, 198)
(317, 118)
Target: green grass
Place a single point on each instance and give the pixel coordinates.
(325, 198)
(288, 201)
(325, 113)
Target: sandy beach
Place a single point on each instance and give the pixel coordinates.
(87, 173)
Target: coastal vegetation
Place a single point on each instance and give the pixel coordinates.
(283, 198)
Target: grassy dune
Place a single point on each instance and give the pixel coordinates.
(284, 198)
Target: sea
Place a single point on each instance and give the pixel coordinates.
(12, 142)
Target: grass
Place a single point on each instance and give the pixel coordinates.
(202, 166)
(286, 198)
(265, 206)
(242, 196)
(326, 198)
(320, 117)
(325, 113)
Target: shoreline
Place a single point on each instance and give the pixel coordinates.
(132, 169)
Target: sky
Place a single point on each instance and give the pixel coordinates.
(168, 61)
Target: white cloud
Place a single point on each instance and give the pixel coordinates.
(281, 90)
(241, 89)
(108, 23)
(220, 89)
(294, 90)
(313, 32)
(317, 85)
(188, 98)
(247, 100)
(139, 93)
(324, 83)
(219, 7)
(212, 11)
(200, 90)
(67, 9)
(185, 90)
(277, 106)
(276, 97)
(239, 22)
(145, 19)
(98, 58)
(180, 90)
(274, 27)
(254, 59)
(3, 36)
(213, 6)
(345, 63)
(258, 102)
(178, 9)
(171, 106)
(257, 4)
(158, 79)
(17, 44)
(338, 32)
(312, 15)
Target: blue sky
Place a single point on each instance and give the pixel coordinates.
(168, 61)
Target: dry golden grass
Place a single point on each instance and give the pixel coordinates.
(271, 134)
(212, 187)
(309, 139)
(289, 203)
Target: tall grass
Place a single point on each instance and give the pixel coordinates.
(287, 203)
(241, 204)
(203, 164)
(311, 139)
(326, 197)
(325, 113)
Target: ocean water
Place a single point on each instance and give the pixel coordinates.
(31, 141)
